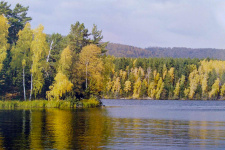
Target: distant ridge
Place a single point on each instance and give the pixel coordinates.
(120, 50)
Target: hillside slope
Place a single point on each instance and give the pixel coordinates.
(120, 50)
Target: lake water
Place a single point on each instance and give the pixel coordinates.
(121, 124)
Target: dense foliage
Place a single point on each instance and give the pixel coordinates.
(164, 78)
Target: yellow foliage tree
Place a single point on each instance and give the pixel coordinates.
(215, 88)
(60, 87)
(91, 63)
(186, 92)
(3, 39)
(164, 71)
(159, 88)
(109, 85)
(137, 88)
(194, 81)
(39, 50)
(204, 84)
(171, 73)
(151, 89)
(61, 83)
(116, 86)
(20, 52)
(127, 86)
(222, 90)
(177, 89)
(65, 61)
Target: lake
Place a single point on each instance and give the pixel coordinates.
(121, 124)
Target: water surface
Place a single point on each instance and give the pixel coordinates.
(122, 124)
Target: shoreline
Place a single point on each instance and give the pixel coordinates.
(85, 103)
(164, 99)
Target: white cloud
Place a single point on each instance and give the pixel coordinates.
(186, 23)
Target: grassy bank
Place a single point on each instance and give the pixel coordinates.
(86, 103)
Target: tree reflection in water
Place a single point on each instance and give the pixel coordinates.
(96, 129)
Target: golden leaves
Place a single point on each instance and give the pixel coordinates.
(61, 86)
(3, 38)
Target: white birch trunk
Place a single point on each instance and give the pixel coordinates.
(24, 90)
(49, 51)
(86, 75)
(31, 85)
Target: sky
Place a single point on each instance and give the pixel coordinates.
(141, 23)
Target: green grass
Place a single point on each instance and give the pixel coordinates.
(92, 102)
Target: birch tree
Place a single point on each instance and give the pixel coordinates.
(61, 84)
(3, 39)
(39, 49)
(91, 63)
(21, 52)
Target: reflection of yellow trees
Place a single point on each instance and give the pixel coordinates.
(197, 131)
(36, 130)
(66, 129)
(201, 130)
(59, 123)
(98, 129)
(93, 128)
(1, 141)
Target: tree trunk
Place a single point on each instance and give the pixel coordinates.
(49, 51)
(86, 75)
(31, 85)
(24, 90)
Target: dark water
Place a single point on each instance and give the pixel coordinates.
(122, 124)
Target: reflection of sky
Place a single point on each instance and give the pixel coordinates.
(143, 23)
(167, 110)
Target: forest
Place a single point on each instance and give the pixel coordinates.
(120, 50)
(34, 65)
(164, 78)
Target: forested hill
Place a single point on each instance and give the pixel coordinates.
(120, 50)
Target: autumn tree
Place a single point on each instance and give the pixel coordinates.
(215, 89)
(3, 38)
(137, 88)
(177, 90)
(90, 64)
(39, 50)
(194, 81)
(65, 61)
(21, 54)
(61, 84)
(222, 91)
(127, 87)
(17, 19)
(116, 86)
(159, 88)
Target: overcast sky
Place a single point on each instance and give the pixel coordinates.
(142, 23)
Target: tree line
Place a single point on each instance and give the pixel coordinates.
(120, 50)
(164, 78)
